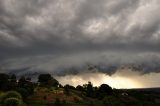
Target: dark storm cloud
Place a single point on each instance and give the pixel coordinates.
(67, 35)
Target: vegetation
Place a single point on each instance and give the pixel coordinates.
(47, 80)
(48, 92)
(13, 102)
(11, 98)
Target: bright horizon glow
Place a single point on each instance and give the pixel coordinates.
(99, 78)
(121, 82)
(122, 79)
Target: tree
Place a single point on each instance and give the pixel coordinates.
(104, 90)
(44, 78)
(47, 80)
(22, 81)
(53, 82)
(60, 86)
(25, 87)
(66, 89)
(4, 82)
(13, 78)
(13, 82)
(89, 91)
(80, 88)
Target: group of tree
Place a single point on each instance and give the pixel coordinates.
(15, 91)
(25, 86)
(22, 85)
(95, 92)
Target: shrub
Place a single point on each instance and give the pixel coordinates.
(13, 102)
(10, 94)
(24, 92)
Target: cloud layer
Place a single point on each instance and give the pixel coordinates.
(63, 37)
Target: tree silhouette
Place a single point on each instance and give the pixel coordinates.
(80, 88)
(4, 82)
(13, 82)
(22, 81)
(47, 80)
(89, 90)
(104, 90)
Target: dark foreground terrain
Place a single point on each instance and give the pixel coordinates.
(48, 92)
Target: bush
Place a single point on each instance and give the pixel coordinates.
(24, 92)
(13, 102)
(10, 94)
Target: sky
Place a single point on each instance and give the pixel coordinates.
(70, 39)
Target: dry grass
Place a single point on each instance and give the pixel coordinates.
(49, 96)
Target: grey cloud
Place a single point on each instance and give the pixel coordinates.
(73, 33)
(106, 62)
